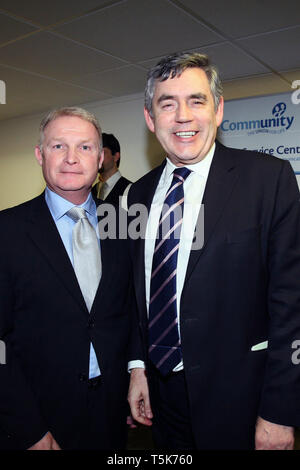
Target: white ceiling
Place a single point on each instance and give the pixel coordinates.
(65, 52)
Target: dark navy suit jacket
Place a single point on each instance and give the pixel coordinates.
(47, 331)
(241, 289)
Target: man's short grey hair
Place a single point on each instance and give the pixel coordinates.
(69, 111)
(173, 65)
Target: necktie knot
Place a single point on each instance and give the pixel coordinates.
(181, 173)
(77, 213)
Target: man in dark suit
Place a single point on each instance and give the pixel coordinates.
(217, 326)
(111, 183)
(64, 382)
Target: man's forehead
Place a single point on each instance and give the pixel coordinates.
(70, 124)
(190, 81)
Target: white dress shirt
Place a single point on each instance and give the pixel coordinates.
(194, 187)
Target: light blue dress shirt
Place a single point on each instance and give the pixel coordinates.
(58, 207)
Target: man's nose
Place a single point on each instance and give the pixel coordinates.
(183, 113)
(71, 155)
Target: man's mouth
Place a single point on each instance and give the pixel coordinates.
(185, 134)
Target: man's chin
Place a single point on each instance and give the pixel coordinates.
(71, 184)
(71, 189)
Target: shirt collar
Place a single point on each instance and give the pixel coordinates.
(201, 168)
(113, 179)
(58, 206)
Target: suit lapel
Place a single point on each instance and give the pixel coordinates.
(220, 183)
(43, 232)
(108, 258)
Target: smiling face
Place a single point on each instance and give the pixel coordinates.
(70, 158)
(184, 117)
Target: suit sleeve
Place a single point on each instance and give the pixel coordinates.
(20, 422)
(135, 345)
(280, 397)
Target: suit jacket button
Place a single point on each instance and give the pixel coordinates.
(82, 377)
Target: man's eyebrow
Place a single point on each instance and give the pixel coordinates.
(201, 96)
(165, 97)
(80, 142)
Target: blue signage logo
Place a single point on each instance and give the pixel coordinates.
(274, 125)
(279, 109)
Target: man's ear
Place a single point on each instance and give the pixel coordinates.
(220, 112)
(116, 157)
(38, 155)
(149, 120)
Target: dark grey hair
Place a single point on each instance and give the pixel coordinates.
(173, 66)
(69, 111)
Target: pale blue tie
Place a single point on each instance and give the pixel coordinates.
(87, 265)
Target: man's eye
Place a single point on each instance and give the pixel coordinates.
(167, 105)
(58, 146)
(198, 102)
(86, 148)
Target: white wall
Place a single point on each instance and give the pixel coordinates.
(20, 175)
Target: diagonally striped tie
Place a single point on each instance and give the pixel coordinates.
(164, 343)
